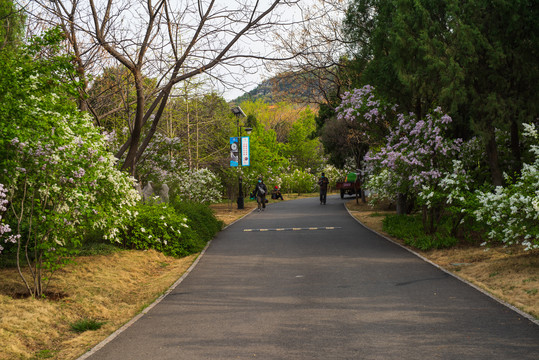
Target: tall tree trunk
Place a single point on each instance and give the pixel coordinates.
(131, 157)
(492, 156)
(401, 204)
(515, 147)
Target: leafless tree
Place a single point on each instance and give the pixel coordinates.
(167, 40)
(319, 47)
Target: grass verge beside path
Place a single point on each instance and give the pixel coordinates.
(111, 289)
(508, 273)
(106, 289)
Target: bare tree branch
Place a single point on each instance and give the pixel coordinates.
(168, 41)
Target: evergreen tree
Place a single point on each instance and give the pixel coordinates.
(477, 59)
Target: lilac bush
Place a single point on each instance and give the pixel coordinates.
(59, 180)
(415, 156)
(512, 213)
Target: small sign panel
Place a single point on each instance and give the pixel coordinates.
(234, 151)
(245, 151)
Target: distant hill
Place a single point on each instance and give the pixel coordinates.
(302, 88)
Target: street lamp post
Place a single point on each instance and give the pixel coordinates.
(239, 113)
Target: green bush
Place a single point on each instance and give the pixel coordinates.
(200, 218)
(161, 227)
(410, 229)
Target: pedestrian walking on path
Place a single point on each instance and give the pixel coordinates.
(260, 192)
(323, 183)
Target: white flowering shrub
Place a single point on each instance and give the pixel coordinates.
(299, 181)
(453, 194)
(289, 179)
(160, 165)
(59, 180)
(159, 227)
(512, 213)
(196, 185)
(380, 184)
(333, 174)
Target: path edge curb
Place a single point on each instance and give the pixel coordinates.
(124, 327)
(500, 301)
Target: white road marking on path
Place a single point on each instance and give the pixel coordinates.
(294, 229)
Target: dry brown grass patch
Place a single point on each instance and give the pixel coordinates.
(110, 289)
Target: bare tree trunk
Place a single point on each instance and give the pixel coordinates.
(401, 204)
(492, 156)
(515, 147)
(131, 157)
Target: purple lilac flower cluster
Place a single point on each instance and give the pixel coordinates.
(365, 112)
(417, 150)
(5, 228)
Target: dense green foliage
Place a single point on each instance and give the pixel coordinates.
(177, 229)
(58, 180)
(200, 218)
(283, 151)
(11, 25)
(410, 229)
(475, 59)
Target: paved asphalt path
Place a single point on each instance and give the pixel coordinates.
(341, 293)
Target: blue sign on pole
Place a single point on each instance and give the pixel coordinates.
(234, 151)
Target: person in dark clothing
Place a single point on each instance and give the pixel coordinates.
(276, 194)
(260, 192)
(323, 182)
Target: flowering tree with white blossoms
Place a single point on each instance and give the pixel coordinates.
(162, 164)
(512, 213)
(58, 177)
(198, 185)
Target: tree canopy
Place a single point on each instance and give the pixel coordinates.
(477, 59)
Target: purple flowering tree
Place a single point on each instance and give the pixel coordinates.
(415, 156)
(368, 115)
(365, 120)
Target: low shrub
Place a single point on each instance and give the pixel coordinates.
(200, 218)
(161, 227)
(410, 229)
